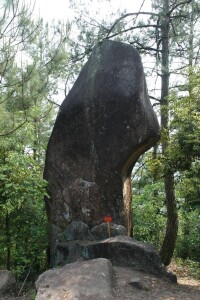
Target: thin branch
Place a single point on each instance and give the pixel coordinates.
(145, 47)
(197, 56)
(48, 110)
(53, 102)
(24, 281)
(177, 5)
(13, 130)
(12, 19)
(141, 166)
(132, 28)
(139, 11)
(95, 22)
(155, 104)
(54, 55)
(128, 15)
(156, 99)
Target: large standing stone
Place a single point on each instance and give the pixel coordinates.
(103, 126)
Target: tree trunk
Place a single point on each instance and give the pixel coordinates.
(35, 142)
(8, 243)
(169, 242)
(127, 199)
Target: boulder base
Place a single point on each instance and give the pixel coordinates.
(125, 251)
(67, 249)
(7, 281)
(91, 280)
(120, 250)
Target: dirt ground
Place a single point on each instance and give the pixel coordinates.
(135, 285)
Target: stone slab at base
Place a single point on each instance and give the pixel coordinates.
(120, 250)
(91, 279)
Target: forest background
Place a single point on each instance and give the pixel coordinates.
(39, 63)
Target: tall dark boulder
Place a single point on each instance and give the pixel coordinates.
(105, 123)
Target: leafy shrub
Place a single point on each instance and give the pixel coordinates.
(149, 214)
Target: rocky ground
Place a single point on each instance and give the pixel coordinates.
(135, 285)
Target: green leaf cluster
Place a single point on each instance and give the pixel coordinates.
(182, 159)
(33, 64)
(21, 200)
(149, 214)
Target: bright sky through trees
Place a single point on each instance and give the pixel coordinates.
(60, 9)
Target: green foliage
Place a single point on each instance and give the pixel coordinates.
(33, 61)
(181, 158)
(21, 200)
(149, 211)
(192, 267)
(33, 54)
(149, 214)
(188, 186)
(20, 179)
(184, 145)
(188, 242)
(188, 195)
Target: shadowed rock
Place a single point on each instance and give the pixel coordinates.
(7, 281)
(103, 126)
(120, 250)
(68, 249)
(76, 231)
(125, 251)
(100, 232)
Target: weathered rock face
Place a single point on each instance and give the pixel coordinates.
(77, 230)
(103, 126)
(7, 281)
(68, 248)
(97, 279)
(81, 280)
(120, 250)
(100, 232)
(125, 251)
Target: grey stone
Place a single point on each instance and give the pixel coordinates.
(105, 123)
(120, 250)
(67, 250)
(125, 251)
(100, 232)
(77, 230)
(135, 282)
(91, 280)
(7, 281)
